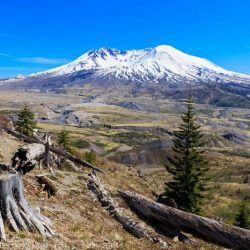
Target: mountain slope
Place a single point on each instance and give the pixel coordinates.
(156, 64)
(162, 70)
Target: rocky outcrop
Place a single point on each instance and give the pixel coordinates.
(152, 153)
(235, 138)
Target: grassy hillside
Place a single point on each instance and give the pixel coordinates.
(76, 214)
(78, 218)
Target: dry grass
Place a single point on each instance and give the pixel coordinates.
(77, 216)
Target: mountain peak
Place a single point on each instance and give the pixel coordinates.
(165, 47)
(104, 51)
(163, 63)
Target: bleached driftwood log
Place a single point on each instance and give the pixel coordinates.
(208, 229)
(54, 149)
(128, 224)
(15, 209)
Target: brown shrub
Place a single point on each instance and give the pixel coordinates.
(5, 121)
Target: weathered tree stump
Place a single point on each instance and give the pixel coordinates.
(15, 210)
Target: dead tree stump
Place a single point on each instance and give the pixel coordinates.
(15, 210)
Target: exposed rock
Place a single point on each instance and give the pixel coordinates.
(235, 138)
(81, 119)
(149, 153)
(129, 105)
(241, 125)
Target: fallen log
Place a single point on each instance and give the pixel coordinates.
(95, 185)
(68, 165)
(18, 135)
(207, 229)
(52, 148)
(73, 158)
(15, 209)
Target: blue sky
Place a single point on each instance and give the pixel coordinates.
(38, 35)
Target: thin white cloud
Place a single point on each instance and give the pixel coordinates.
(13, 68)
(5, 55)
(36, 59)
(43, 60)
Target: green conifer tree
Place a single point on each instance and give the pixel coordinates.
(187, 166)
(63, 139)
(242, 217)
(26, 121)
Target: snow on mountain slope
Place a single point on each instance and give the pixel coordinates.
(153, 64)
(161, 72)
(154, 68)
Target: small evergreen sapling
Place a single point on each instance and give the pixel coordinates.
(90, 157)
(26, 121)
(64, 140)
(242, 217)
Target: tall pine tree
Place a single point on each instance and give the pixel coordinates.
(26, 121)
(187, 166)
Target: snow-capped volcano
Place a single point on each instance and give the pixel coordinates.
(162, 65)
(154, 64)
